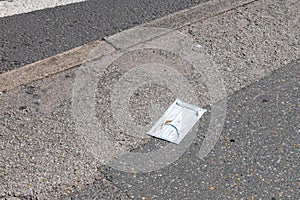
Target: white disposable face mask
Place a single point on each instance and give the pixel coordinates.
(176, 122)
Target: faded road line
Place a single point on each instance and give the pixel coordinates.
(14, 7)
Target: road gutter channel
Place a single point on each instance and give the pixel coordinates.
(77, 56)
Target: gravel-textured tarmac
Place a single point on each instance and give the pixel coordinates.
(256, 157)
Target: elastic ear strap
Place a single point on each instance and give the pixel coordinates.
(177, 132)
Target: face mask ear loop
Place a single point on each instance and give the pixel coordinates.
(177, 132)
(167, 123)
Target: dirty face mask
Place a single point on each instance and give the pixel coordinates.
(176, 122)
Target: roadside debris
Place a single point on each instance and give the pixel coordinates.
(176, 122)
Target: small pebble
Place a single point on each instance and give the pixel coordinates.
(211, 188)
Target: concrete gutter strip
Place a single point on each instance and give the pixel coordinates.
(53, 65)
(75, 57)
(198, 13)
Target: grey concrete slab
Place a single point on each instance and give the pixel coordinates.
(197, 13)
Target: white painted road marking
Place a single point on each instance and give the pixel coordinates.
(14, 7)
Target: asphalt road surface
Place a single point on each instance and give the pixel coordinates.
(29, 37)
(257, 156)
(256, 51)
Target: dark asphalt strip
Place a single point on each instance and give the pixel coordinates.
(30, 37)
